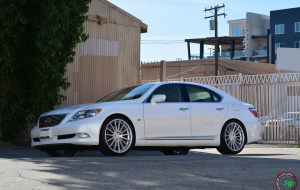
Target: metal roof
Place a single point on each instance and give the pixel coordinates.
(144, 27)
(224, 40)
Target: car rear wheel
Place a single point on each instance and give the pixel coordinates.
(61, 153)
(232, 138)
(116, 136)
(176, 151)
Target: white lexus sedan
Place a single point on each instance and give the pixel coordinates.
(172, 117)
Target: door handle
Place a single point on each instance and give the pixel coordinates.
(183, 109)
(220, 109)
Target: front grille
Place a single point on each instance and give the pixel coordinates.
(51, 120)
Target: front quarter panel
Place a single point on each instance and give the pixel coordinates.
(134, 111)
(91, 126)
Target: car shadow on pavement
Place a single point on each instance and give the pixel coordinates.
(200, 169)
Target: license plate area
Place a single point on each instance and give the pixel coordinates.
(45, 133)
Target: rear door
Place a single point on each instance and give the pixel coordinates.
(207, 111)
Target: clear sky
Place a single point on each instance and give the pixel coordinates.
(170, 22)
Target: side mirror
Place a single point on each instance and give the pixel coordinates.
(158, 98)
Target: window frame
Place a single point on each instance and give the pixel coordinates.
(278, 25)
(296, 27)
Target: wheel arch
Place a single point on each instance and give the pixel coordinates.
(235, 119)
(122, 115)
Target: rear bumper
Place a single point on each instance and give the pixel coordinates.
(253, 131)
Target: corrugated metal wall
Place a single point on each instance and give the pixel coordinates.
(109, 59)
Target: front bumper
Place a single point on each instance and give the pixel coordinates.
(65, 134)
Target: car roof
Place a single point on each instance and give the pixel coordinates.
(226, 96)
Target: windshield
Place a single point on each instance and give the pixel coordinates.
(129, 93)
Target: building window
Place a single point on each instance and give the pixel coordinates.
(236, 31)
(297, 26)
(279, 29)
(277, 45)
(297, 44)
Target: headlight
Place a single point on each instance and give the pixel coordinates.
(84, 114)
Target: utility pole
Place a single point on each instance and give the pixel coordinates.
(216, 9)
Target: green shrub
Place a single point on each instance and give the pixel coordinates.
(37, 41)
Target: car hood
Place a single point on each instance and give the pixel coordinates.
(75, 108)
(68, 109)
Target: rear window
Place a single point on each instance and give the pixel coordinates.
(201, 94)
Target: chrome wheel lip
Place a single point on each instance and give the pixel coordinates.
(118, 136)
(234, 136)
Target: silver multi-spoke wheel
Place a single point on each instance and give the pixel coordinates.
(234, 136)
(118, 135)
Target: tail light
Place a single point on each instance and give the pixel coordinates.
(253, 111)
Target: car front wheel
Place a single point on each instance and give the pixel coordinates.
(232, 138)
(116, 136)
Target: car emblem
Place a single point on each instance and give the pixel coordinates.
(48, 120)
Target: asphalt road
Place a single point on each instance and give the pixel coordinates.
(254, 168)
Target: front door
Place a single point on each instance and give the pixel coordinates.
(169, 119)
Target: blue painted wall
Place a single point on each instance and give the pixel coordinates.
(288, 17)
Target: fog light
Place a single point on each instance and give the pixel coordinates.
(82, 136)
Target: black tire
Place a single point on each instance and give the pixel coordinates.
(233, 138)
(175, 151)
(117, 136)
(61, 153)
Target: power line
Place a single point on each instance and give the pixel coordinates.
(229, 69)
(191, 65)
(247, 67)
(162, 41)
(166, 3)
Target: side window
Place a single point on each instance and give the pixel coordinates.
(216, 97)
(200, 94)
(172, 92)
